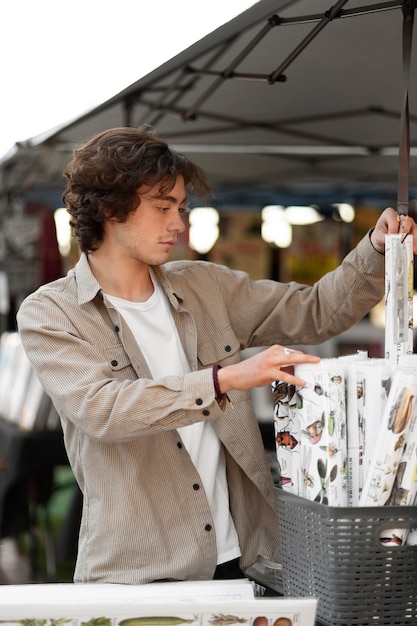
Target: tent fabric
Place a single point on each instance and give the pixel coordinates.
(281, 99)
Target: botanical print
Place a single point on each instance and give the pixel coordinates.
(273, 618)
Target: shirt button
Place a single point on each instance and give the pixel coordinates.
(114, 362)
(228, 348)
(199, 401)
(116, 328)
(179, 444)
(207, 527)
(196, 486)
(206, 412)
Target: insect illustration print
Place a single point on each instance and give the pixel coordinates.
(330, 449)
(285, 439)
(325, 480)
(305, 465)
(282, 397)
(301, 397)
(314, 431)
(331, 422)
(286, 481)
(282, 392)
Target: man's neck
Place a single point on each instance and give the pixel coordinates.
(130, 281)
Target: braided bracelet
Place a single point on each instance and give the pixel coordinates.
(219, 395)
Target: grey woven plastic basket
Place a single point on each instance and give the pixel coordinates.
(335, 555)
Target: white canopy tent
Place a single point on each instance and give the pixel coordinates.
(280, 102)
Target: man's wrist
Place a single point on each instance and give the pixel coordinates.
(220, 395)
(373, 245)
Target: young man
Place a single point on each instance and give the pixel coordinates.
(142, 360)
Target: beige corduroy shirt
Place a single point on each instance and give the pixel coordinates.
(145, 515)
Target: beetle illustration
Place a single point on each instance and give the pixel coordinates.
(286, 439)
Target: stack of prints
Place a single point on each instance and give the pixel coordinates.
(349, 437)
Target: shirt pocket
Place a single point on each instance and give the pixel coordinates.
(119, 362)
(224, 349)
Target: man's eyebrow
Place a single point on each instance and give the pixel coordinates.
(169, 198)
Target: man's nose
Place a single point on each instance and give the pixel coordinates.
(178, 223)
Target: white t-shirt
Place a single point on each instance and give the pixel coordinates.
(152, 325)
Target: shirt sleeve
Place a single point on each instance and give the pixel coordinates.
(94, 384)
(267, 312)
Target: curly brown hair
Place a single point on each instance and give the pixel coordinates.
(104, 175)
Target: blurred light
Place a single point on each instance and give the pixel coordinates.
(275, 227)
(346, 211)
(63, 231)
(302, 215)
(204, 229)
(377, 315)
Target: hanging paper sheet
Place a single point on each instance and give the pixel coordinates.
(398, 296)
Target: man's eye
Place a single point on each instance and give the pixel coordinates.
(184, 210)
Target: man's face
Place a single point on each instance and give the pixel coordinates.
(150, 232)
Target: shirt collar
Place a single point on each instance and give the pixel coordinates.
(172, 291)
(89, 287)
